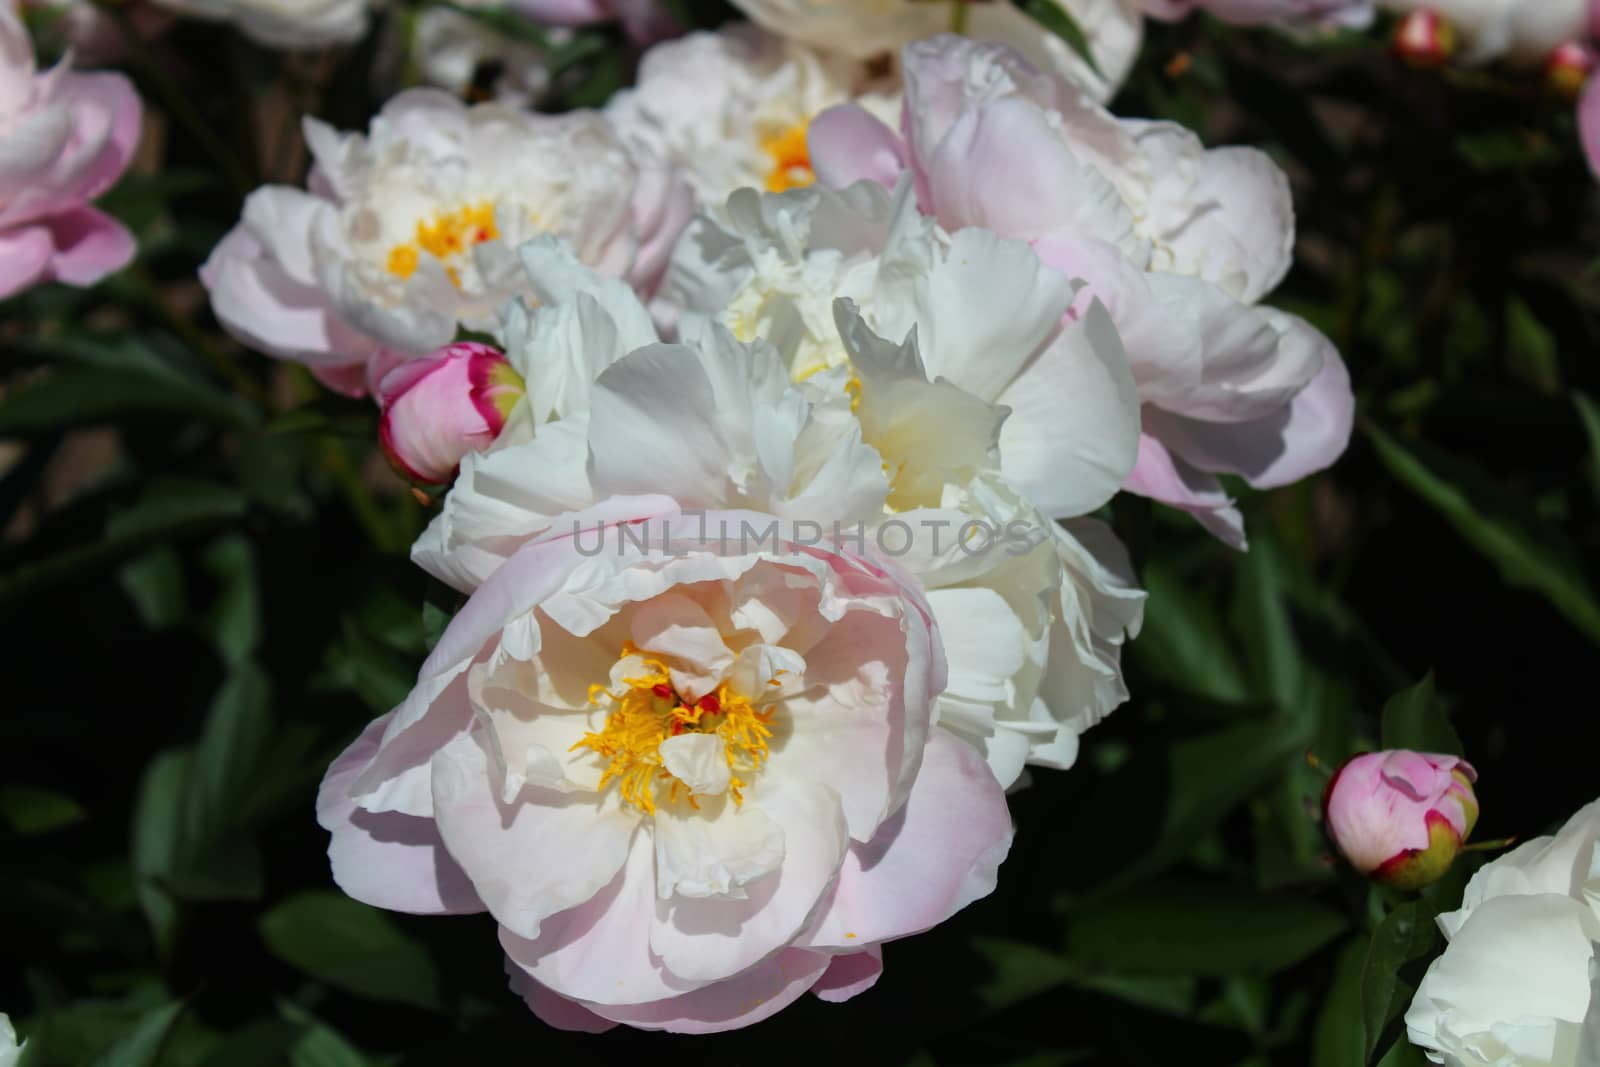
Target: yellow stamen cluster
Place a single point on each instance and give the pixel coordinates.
(791, 159)
(649, 712)
(446, 236)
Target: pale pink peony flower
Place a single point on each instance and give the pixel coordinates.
(65, 138)
(1177, 242)
(690, 778)
(1401, 817)
(437, 409)
(407, 234)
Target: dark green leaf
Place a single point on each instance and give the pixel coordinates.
(1415, 718)
(1530, 554)
(1406, 933)
(1055, 17)
(352, 947)
(154, 582)
(1337, 1038)
(80, 394)
(1589, 412)
(30, 811)
(1183, 927)
(143, 1046)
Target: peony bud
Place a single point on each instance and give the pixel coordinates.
(1568, 68)
(1425, 39)
(439, 408)
(1401, 817)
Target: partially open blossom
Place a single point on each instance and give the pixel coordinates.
(1521, 32)
(1424, 38)
(689, 778)
(1569, 68)
(1177, 242)
(65, 138)
(1401, 817)
(1112, 29)
(407, 234)
(732, 108)
(439, 408)
(1519, 982)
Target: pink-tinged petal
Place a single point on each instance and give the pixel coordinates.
(1304, 437)
(89, 245)
(110, 98)
(661, 207)
(554, 1009)
(281, 219)
(1162, 476)
(256, 301)
(742, 1000)
(715, 938)
(539, 855)
(349, 379)
(849, 975)
(1004, 168)
(563, 12)
(940, 854)
(1589, 123)
(24, 259)
(849, 144)
(1159, 329)
(599, 952)
(389, 861)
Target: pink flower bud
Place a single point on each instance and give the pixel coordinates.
(1425, 39)
(1401, 817)
(1568, 68)
(439, 408)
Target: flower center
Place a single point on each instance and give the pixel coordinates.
(791, 159)
(446, 236)
(651, 711)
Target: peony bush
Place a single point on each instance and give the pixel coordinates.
(558, 529)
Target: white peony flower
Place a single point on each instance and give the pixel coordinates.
(1519, 983)
(902, 446)
(732, 107)
(864, 29)
(407, 234)
(10, 1048)
(284, 23)
(1176, 241)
